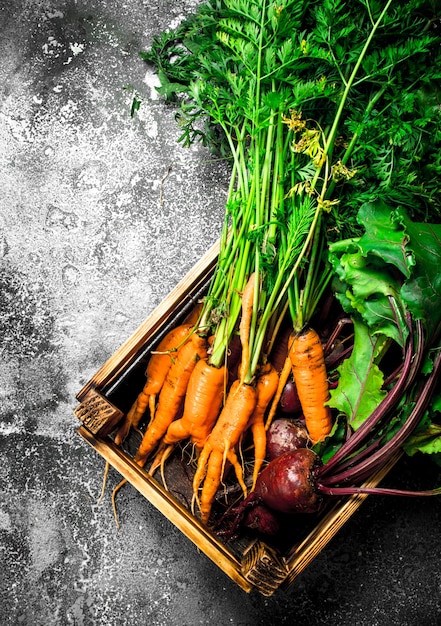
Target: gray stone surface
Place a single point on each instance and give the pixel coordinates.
(100, 216)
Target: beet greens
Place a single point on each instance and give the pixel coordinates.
(388, 281)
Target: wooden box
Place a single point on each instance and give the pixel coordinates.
(250, 562)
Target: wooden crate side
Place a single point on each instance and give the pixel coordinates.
(97, 414)
(169, 507)
(264, 567)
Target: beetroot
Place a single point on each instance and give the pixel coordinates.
(289, 400)
(285, 435)
(262, 520)
(288, 484)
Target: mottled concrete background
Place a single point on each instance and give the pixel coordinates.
(90, 242)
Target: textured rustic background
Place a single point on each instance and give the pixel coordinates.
(100, 216)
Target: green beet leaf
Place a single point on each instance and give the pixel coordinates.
(359, 389)
(391, 269)
(426, 441)
(422, 292)
(414, 248)
(384, 236)
(367, 287)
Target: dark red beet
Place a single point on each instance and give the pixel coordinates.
(285, 435)
(289, 400)
(262, 520)
(287, 484)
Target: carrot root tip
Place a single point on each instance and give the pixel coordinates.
(103, 486)
(115, 491)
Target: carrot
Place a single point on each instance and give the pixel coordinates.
(309, 370)
(220, 444)
(171, 396)
(266, 387)
(231, 423)
(156, 372)
(245, 325)
(157, 368)
(203, 402)
(284, 374)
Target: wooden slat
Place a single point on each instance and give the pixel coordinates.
(97, 414)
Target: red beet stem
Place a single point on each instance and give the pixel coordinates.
(364, 469)
(380, 491)
(387, 405)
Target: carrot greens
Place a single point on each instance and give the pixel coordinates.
(304, 98)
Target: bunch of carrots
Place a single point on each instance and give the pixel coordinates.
(188, 397)
(287, 91)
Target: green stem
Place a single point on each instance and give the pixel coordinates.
(333, 132)
(327, 155)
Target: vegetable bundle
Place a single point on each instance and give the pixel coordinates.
(329, 113)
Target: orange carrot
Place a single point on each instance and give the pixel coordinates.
(245, 325)
(157, 368)
(284, 374)
(266, 387)
(156, 372)
(309, 370)
(220, 444)
(171, 396)
(203, 402)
